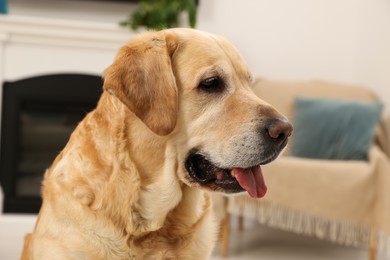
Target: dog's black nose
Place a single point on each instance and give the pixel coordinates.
(279, 129)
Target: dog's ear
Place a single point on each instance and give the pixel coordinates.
(141, 77)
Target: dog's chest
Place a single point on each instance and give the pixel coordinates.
(176, 240)
(157, 246)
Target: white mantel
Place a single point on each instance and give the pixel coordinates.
(32, 46)
(103, 34)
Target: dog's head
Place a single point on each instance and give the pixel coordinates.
(195, 89)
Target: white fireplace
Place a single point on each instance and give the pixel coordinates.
(30, 47)
(41, 46)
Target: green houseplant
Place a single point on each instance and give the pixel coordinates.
(161, 14)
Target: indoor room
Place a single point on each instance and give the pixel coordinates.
(303, 84)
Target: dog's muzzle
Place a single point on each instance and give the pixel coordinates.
(236, 179)
(233, 180)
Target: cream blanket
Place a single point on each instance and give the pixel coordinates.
(338, 201)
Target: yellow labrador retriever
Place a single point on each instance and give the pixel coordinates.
(177, 119)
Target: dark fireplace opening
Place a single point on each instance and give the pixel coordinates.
(38, 116)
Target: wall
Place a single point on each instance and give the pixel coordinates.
(374, 47)
(81, 10)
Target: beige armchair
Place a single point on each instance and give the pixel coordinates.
(346, 202)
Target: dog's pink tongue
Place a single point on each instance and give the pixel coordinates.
(251, 180)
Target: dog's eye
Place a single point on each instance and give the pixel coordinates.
(213, 84)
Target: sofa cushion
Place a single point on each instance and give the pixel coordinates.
(334, 129)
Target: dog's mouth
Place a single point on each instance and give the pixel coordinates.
(232, 180)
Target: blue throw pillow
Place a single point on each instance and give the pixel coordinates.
(334, 129)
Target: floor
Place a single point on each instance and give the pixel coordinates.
(260, 242)
(254, 242)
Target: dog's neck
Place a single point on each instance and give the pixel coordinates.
(146, 171)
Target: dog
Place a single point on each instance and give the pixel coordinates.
(177, 118)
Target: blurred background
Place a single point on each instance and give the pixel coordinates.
(293, 42)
